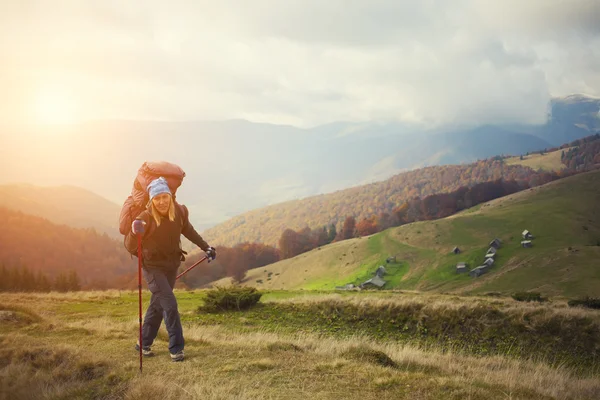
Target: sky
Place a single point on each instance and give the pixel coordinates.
(302, 63)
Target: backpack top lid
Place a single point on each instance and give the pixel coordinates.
(137, 202)
(152, 170)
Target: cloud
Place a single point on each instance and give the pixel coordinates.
(302, 62)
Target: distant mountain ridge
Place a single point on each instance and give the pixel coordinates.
(236, 166)
(266, 224)
(67, 205)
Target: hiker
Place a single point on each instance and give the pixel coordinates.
(161, 226)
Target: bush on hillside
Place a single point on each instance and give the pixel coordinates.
(231, 298)
(529, 296)
(587, 302)
(369, 355)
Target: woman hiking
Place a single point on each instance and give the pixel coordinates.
(161, 226)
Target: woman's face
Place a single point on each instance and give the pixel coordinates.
(162, 202)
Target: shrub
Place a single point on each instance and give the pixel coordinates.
(587, 302)
(231, 298)
(369, 355)
(529, 296)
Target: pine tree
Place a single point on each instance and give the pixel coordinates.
(27, 280)
(17, 282)
(349, 228)
(322, 237)
(73, 282)
(332, 233)
(4, 280)
(60, 283)
(42, 283)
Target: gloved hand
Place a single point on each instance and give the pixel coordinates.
(211, 253)
(138, 226)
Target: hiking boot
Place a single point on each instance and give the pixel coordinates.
(177, 356)
(146, 350)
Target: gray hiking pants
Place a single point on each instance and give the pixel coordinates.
(163, 305)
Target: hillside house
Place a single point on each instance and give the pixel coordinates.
(456, 250)
(374, 281)
(477, 272)
(490, 255)
(489, 262)
(496, 243)
(391, 259)
(380, 271)
(526, 235)
(491, 250)
(461, 268)
(526, 243)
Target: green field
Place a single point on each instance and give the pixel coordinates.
(301, 345)
(564, 260)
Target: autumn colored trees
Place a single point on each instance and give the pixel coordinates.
(231, 262)
(379, 198)
(292, 243)
(584, 154)
(64, 258)
(431, 207)
(51, 249)
(367, 226)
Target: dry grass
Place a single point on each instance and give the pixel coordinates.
(69, 296)
(440, 303)
(549, 161)
(65, 362)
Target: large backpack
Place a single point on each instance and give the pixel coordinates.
(138, 200)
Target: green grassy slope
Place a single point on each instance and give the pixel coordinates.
(565, 259)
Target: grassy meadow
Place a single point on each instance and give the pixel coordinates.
(302, 345)
(548, 161)
(562, 215)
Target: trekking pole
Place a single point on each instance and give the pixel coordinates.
(139, 246)
(192, 267)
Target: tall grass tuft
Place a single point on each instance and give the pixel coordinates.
(369, 355)
(587, 302)
(529, 296)
(230, 298)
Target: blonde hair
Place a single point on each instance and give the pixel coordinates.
(157, 215)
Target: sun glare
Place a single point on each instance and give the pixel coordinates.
(54, 106)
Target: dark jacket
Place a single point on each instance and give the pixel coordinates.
(161, 245)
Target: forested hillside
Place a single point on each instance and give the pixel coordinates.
(562, 215)
(39, 245)
(583, 154)
(37, 254)
(266, 224)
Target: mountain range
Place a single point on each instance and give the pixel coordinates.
(67, 205)
(236, 166)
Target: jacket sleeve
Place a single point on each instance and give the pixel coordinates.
(131, 238)
(189, 232)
